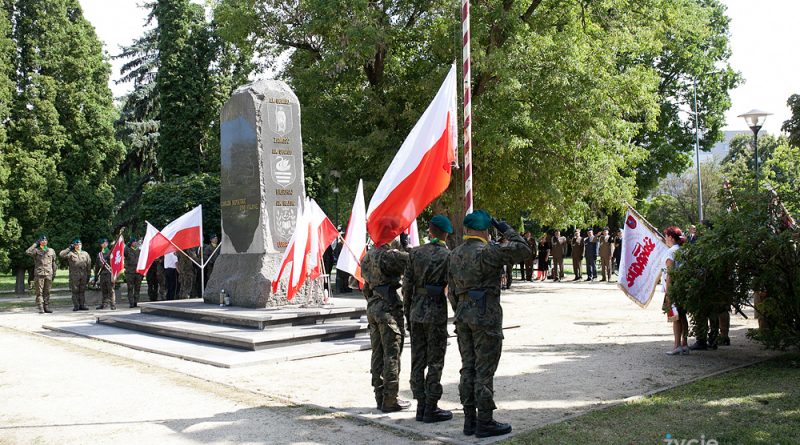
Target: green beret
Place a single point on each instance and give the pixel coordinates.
(77, 241)
(478, 220)
(42, 237)
(442, 223)
(133, 239)
(102, 240)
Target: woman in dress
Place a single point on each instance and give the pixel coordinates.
(680, 324)
(544, 254)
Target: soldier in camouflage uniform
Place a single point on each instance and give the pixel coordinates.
(425, 307)
(186, 272)
(80, 267)
(381, 268)
(474, 271)
(44, 271)
(102, 273)
(133, 279)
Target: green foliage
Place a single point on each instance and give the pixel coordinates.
(571, 100)
(61, 138)
(792, 125)
(164, 202)
(9, 228)
(675, 200)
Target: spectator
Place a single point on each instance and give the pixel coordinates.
(680, 324)
(543, 258)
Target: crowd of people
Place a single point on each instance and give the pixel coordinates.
(173, 276)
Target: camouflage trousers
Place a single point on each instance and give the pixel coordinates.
(134, 284)
(186, 280)
(386, 336)
(428, 346)
(43, 285)
(107, 288)
(77, 286)
(480, 348)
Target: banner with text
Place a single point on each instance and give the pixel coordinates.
(642, 259)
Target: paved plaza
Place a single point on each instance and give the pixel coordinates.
(569, 348)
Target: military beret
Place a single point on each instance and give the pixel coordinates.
(77, 241)
(213, 235)
(42, 237)
(133, 239)
(442, 223)
(102, 240)
(478, 220)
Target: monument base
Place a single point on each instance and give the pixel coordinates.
(246, 278)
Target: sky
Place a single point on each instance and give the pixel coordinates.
(763, 43)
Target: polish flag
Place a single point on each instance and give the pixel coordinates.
(420, 171)
(117, 258)
(183, 233)
(413, 234)
(295, 256)
(355, 239)
(323, 234)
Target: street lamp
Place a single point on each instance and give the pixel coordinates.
(336, 174)
(755, 120)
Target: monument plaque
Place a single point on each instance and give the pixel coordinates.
(261, 179)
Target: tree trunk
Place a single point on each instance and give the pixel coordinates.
(19, 286)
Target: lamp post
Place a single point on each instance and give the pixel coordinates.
(697, 156)
(336, 175)
(755, 120)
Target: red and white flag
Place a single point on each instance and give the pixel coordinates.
(183, 233)
(642, 259)
(296, 254)
(117, 258)
(420, 171)
(413, 234)
(323, 234)
(355, 239)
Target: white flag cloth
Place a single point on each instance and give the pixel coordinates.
(355, 240)
(295, 256)
(642, 259)
(183, 233)
(413, 234)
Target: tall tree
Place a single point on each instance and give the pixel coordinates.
(63, 151)
(792, 125)
(8, 226)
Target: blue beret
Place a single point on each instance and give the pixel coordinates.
(478, 220)
(442, 223)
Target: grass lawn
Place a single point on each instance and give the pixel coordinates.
(759, 404)
(7, 280)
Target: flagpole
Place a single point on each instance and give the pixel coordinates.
(467, 74)
(184, 253)
(203, 265)
(208, 260)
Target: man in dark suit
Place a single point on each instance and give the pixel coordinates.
(591, 250)
(577, 254)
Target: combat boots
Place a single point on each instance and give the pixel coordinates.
(489, 428)
(393, 404)
(379, 399)
(420, 410)
(470, 420)
(435, 414)
(47, 309)
(41, 309)
(699, 345)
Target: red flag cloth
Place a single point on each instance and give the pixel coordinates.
(183, 233)
(323, 233)
(296, 255)
(117, 258)
(420, 171)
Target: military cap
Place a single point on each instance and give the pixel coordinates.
(213, 235)
(133, 239)
(77, 241)
(478, 220)
(42, 237)
(102, 240)
(443, 223)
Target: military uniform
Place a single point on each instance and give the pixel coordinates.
(133, 279)
(529, 262)
(474, 291)
(80, 267)
(44, 271)
(425, 306)
(210, 255)
(102, 273)
(590, 249)
(156, 281)
(381, 269)
(606, 254)
(558, 248)
(186, 272)
(577, 255)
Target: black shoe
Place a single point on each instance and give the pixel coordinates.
(83, 308)
(603, 279)
(75, 308)
(379, 401)
(131, 305)
(113, 307)
(470, 420)
(724, 341)
(47, 310)
(434, 414)
(102, 306)
(395, 406)
(489, 428)
(420, 410)
(699, 345)
(588, 279)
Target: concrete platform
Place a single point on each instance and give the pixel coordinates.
(236, 336)
(219, 356)
(295, 315)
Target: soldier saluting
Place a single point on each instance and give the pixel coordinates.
(474, 271)
(425, 306)
(44, 271)
(102, 273)
(381, 268)
(80, 266)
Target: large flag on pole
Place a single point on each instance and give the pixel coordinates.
(355, 239)
(323, 234)
(420, 171)
(117, 258)
(642, 258)
(183, 233)
(296, 254)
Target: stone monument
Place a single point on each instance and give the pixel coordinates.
(261, 180)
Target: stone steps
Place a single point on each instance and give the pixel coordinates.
(236, 336)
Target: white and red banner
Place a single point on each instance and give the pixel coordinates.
(183, 233)
(642, 258)
(413, 234)
(323, 234)
(355, 239)
(117, 258)
(420, 171)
